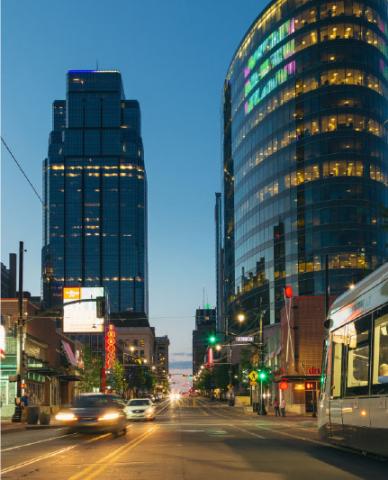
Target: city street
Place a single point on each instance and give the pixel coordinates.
(190, 439)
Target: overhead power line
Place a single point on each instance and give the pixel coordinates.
(21, 169)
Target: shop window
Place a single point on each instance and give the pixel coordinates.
(380, 356)
(358, 351)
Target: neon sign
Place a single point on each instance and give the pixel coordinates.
(110, 347)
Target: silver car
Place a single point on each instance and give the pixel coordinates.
(140, 409)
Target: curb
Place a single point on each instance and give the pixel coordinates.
(24, 427)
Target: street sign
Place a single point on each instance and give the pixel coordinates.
(244, 339)
(253, 375)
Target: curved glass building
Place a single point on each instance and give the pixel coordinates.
(305, 118)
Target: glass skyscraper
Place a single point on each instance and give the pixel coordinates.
(305, 167)
(95, 194)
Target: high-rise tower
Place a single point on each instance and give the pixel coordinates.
(95, 194)
(305, 154)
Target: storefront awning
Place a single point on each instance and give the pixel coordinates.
(69, 378)
(49, 372)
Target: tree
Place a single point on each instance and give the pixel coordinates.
(118, 380)
(92, 371)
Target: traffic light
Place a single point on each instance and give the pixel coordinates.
(212, 339)
(264, 374)
(100, 307)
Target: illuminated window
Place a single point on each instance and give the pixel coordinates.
(357, 374)
(380, 356)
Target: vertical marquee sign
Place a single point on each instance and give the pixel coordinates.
(110, 347)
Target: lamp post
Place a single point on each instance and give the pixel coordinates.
(262, 375)
(241, 319)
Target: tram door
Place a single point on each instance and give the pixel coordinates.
(335, 402)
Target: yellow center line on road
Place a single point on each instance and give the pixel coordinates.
(48, 455)
(92, 471)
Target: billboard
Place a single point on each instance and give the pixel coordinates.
(80, 316)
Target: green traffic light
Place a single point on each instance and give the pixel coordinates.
(262, 375)
(212, 339)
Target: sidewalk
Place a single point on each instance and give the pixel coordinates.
(306, 419)
(7, 426)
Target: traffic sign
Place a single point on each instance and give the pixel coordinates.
(244, 339)
(253, 375)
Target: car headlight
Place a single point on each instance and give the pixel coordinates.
(109, 416)
(65, 416)
(149, 411)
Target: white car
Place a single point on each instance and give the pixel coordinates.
(140, 409)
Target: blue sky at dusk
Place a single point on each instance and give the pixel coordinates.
(173, 56)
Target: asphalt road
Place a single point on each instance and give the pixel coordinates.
(190, 440)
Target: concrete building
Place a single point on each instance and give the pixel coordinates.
(52, 362)
(8, 278)
(161, 353)
(205, 324)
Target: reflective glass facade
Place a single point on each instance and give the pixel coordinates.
(305, 151)
(95, 194)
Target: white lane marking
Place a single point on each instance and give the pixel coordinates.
(34, 443)
(248, 432)
(36, 459)
(48, 455)
(192, 431)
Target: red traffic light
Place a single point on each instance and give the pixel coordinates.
(283, 385)
(288, 291)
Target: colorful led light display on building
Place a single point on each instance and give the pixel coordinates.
(275, 59)
(271, 41)
(277, 79)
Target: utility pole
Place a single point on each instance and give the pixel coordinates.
(17, 416)
(230, 371)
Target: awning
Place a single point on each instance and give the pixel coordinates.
(49, 372)
(69, 378)
(69, 353)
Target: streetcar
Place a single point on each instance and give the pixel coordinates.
(353, 405)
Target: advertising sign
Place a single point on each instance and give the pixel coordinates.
(81, 316)
(110, 347)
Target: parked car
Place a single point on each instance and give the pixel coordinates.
(140, 409)
(95, 412)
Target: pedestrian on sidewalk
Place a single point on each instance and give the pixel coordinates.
(283, 407)
(276, 406)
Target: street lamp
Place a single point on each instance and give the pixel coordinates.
(241, 317)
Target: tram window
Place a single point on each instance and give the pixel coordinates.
(336, 379)
(380, 356)
(357, 365)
